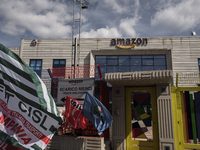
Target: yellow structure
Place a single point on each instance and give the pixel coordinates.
(139, 144)
(180, 135)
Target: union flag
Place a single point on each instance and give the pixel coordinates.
(74, 114)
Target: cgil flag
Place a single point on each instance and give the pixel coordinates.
(97, 113)
(74, 114)
(28, 114)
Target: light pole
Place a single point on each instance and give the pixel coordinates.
(75, 44)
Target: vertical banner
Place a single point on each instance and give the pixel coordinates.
(28, 115)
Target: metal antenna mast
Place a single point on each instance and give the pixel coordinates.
(75, 43)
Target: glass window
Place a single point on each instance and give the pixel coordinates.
(147, 61)
(100, 60)
(124, 60)
(147, 68)
(62, 62)
(35, 64)
(158, 62)
(124, 69)
(112, 62)
(57, 63)
(136, 68)
(136, 61)
(147, 56)
(112, 57)
(131, 63)
(112, 68)
(159, 56)
(159, 68)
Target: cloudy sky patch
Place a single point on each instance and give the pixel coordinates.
(177, 18)
(32, 19)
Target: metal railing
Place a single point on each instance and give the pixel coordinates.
(74, 72)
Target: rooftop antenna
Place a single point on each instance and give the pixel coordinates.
(76, 44)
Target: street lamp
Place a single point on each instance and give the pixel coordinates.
(75, 44)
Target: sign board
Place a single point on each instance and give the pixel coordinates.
(128, 43)
(75, 88)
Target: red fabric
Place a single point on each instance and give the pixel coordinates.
(74, 114)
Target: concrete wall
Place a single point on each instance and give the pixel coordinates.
(118, 126)
(16, 50)
(75, 143)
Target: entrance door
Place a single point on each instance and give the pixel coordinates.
(141, 118)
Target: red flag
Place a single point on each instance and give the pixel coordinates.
(74, 114)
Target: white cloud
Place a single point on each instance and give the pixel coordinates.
(178, 18)
(101, 33)
(122, 6)
(127, 26)
(42, 18)
(115, 5)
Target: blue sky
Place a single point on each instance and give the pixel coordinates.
(39, 19)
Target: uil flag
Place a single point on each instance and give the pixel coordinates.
(97, 113)
(28, 115)
(74, 114)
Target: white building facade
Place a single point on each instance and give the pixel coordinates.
(140, 72)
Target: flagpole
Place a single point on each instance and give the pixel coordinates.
(100, 83)
(100, 86)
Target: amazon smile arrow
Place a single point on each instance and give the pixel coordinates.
(126, 47)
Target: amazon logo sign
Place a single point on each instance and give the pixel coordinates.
(128, 43)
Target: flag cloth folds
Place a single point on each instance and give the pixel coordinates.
(97, 113)
(74, 114)
(28, 114)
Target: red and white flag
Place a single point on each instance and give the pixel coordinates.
(74, 114)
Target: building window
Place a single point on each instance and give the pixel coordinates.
(58, 63)
(36, 65)
(130, 63)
